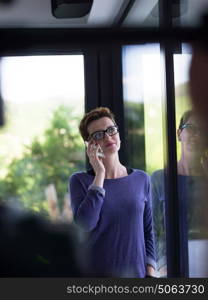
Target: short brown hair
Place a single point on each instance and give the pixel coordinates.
(95, 114)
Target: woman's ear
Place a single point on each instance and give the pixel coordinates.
(179, 134)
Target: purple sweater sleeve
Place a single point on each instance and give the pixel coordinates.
(86, 204)
(148, 230)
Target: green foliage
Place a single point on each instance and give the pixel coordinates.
(51, 158)
(134, 121)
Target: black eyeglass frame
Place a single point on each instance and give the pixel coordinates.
(188, 125)
(104, 132)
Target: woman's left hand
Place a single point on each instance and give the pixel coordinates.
(150, 271)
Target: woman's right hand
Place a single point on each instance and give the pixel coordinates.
(95, 161)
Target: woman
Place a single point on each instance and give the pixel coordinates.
(189, 135)
(112, 203)
(191, 187)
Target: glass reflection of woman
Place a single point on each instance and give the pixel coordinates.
(112, 203)
(191, 148)
(191, 184)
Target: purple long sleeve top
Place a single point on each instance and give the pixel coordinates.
(118, 219)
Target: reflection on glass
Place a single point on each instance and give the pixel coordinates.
(192, 171)
(190, 12)
(40, 144)
(158, 204)
(192, 183)
(158, 188)
(192, 180)
(143, 106)
(184, 13)
(143, 113)
(143, 13)
(143, 120)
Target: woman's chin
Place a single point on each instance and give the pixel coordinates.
(111, 151)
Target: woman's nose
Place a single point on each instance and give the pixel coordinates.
(107, 136)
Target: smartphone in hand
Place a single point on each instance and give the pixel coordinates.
(100, 151)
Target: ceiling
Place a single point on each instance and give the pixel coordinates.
(104, 13)
(38, 13)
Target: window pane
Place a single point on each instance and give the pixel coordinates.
(40, 144)
(190, 12)
(187, 13)
(144, 131)
(143, 14)
(192, 182)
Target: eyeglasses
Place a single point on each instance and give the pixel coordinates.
(192, 129)
(100, 134)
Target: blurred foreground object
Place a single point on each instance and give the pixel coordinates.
(6, 1)
(199, 76)
(198, 91)
(33, 247)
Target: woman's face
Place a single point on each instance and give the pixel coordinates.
(190, 135)
(109, 143)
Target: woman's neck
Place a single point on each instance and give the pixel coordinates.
(113, 167)
(189, 165)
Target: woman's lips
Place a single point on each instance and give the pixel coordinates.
(109, 144)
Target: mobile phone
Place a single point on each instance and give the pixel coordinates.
(100, 151)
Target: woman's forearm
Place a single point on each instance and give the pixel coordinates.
(99, 179)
